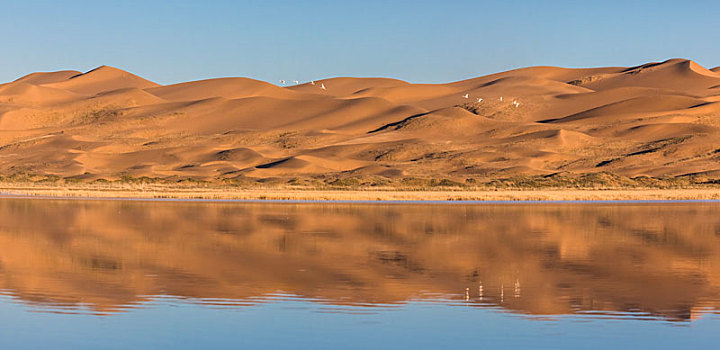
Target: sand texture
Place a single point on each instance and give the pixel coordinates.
(658, 120)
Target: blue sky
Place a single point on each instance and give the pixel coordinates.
(418, 41)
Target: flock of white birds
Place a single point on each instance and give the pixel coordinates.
(480, 99)
(466, 96)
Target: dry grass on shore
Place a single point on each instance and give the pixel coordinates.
(221, 192)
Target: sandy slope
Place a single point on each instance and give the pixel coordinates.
(657, 119)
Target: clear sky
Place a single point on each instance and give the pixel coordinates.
(418, 41)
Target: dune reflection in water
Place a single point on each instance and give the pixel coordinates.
(643, 261)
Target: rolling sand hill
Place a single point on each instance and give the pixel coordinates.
(658, 120)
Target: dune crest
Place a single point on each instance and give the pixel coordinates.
(659, 119)
(47, 77)
(100, 79)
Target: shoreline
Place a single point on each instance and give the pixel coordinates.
(362, 202)
(134, 192)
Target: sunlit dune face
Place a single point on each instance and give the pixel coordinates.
(545, 260)
(657, 120)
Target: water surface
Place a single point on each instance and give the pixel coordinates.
(119, 274)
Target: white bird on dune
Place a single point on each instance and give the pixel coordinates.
(282, 82)
(296, 82)
(516, 103)
(322, 86)
(500, 98)
(479, 99)
(312, 82)
(466, 96)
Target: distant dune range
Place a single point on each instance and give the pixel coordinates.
(654, 120)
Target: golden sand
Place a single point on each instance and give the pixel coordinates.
(659, 120)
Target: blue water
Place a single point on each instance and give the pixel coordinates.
(281, 323)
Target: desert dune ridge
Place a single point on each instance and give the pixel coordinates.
(652, 125)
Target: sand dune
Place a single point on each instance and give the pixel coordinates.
(634, 107)
(657, 119)
(341, 87)
(48, 77)
(102, 79)
(229, 88)
(21, 93)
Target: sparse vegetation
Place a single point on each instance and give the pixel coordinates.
(602, 185)
(585, 80)
(558, 181)
(97, 114)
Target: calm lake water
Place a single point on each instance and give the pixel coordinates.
(125, 274)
